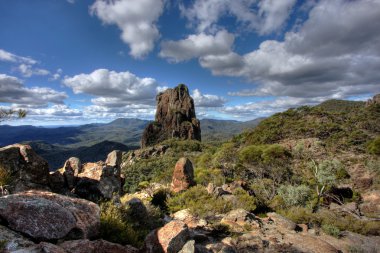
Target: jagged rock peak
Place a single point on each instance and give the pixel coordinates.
(175, 118)
(374, 101)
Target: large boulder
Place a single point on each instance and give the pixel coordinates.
(47, 216)
(175, 118)
(168, 239)
(27, 169)
(12, 240)
(43, 247)
(71, 169)
(183, 175)
(98, 181)
(98, 246)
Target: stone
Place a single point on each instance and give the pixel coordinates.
(28, 170)
(114, 159)
(97, 246)
(57, 182)
(307, 243)
(175, 118)
(98, 181)
(371, 203)
(374, 101)
(71, 169)
(190, 220)
(49, 216)
(43, 247)
(183, 175)
(239, 220)
(189, 247)
(168, 239)
(282, 222)
(13, 241)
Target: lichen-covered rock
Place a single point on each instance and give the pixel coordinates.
(175, 118)
(47, 216)
(282, 222)
(168, 239)
(183, 175)
(28, 170)
(240, 220)
(114, 159)
(98, 181)
(190, 220)
(98, 246)
(13, 241)
(43, 247)
(71, 169)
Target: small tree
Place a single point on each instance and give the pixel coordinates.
(9, 114)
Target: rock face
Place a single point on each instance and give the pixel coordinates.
(240, 220)
(168, 239)
(46, 216)
(374, 101)
(175, 118)
(98, 246)
(27, 169)
(183, 175)
(71, 169)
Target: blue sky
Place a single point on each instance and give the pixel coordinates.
(74, 62)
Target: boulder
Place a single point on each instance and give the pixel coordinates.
(189, 247)
(282, 222)
(43, 247)
(190, 220)
(307, 243)
(28, 170)
(239, 220)
(13, 241)
(48, 216)
(168, 239)
(57, 182)
(114, 159)
(183, 175)
(371, 203)
(98, 246)
(175, 118)
(98, 181)
(71, 169)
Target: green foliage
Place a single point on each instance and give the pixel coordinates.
(10, 114)
(374, 146)
(294, 195)
(243, 200)
(275, 154)
(205, 176)
(325, 172)
(3, 244)
(199, 202)
(114, 225)
(5, 177)
(180, 146)
(331, 230)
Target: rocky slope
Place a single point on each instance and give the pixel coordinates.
(175, 118)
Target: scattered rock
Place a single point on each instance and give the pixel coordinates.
(98, 246)
(71, 169)
(135, 155)
(239, 220)
(183, 175)
(43, 247)
(175, 118)
(282, 222)
(168, 239)
(371, 203)
(47, 216)
(13, 240)
(189, 247)
(307, 243)
(29, 170)
(190, 220)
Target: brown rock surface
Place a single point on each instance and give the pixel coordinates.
(43, 247)
(168, 239)
(240, 220)
(46, 216)
(98, 246)
(29, 170)
(71, 169)
(175, 118)
(13, 241)
(183, 175)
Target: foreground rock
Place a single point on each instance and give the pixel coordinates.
(168, 239)
(240, 220)
(175, 118)
(71, 169)
(98, 246)
(48, 216)
(28, 170)
(13, 241)
(183, 175)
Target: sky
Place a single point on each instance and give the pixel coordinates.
(70, 62)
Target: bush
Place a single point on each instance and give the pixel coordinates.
(243, 200)
(294, 195)
(5, 177)
(331, 230)
(264, 154)
(374, 146)
(204, 176)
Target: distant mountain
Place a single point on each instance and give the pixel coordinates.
(92, 142)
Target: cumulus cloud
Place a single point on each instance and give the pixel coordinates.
(9, 57)
(126, 111)
(28, 70)
(114, 89)
(264, 16)
(136, 19)
(12, 90)
(336, 51)
(197, 45)
(207, 100)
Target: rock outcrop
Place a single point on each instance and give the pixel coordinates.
(175, 118)
(48, 216)
(26, 169)
(374, 101)
(183, 175)
(71, 169)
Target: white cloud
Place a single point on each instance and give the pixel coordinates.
(264, 16)
(125, 111)
(197, 45)
(336, 51)
(9, 57)
(28, 70)
(114, 88)
(12, 90)
(207, 100)
(56, 75)
(136, 19)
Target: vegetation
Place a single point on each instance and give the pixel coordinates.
(374, 146)
(5, 180)
(10, 114)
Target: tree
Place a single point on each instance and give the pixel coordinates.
(9, 114)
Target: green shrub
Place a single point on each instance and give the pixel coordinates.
(331, 230)
(204, 176)
(3, 244)
(275, 154)
(180, 146)
(5, 177)
(374, 146)
(294, 195)
(244, 200)
(251, 154)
